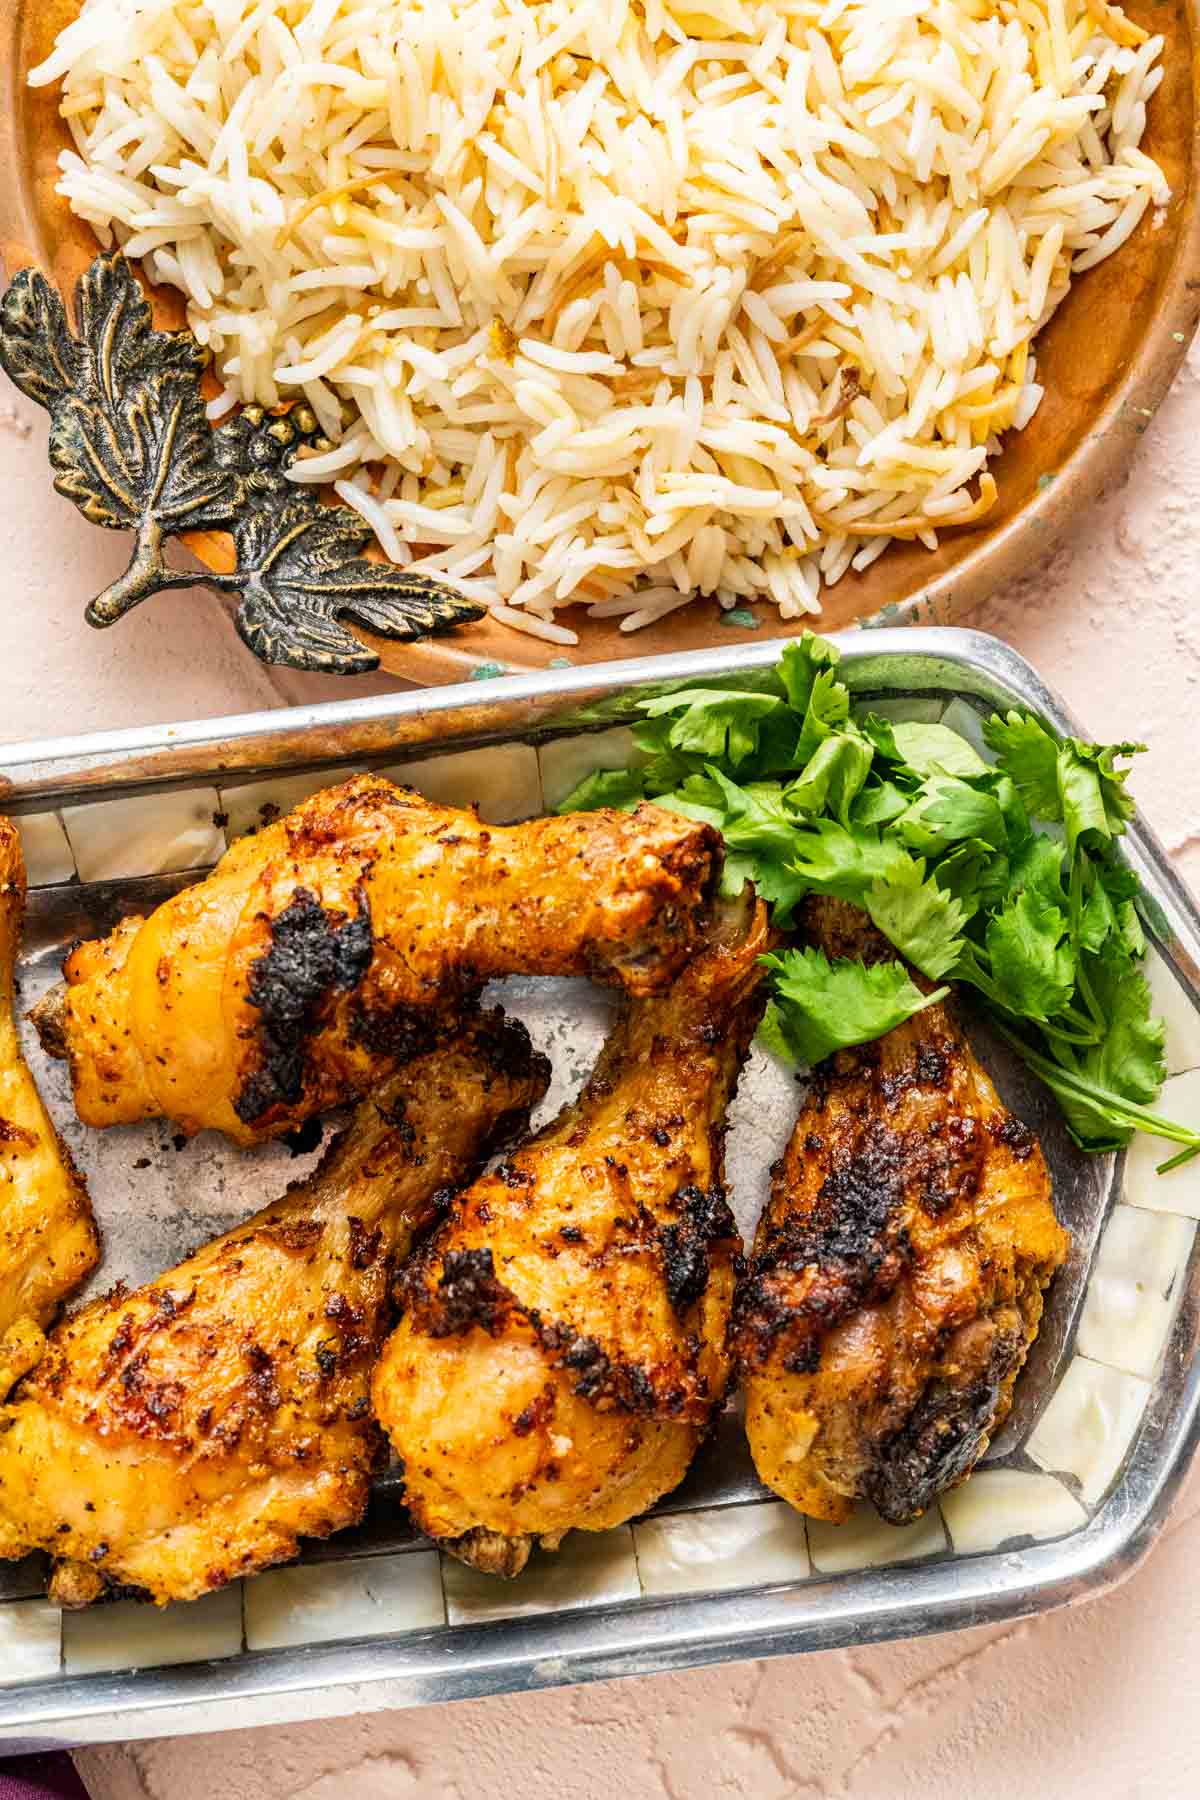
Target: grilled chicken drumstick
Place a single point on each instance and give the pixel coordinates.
(332, 945)
(48, 1238)
(180, 1436)
(562, 1345)
(897, 1276)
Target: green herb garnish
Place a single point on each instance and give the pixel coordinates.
(1003, 875)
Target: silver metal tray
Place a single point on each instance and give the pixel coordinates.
(1071, 1493)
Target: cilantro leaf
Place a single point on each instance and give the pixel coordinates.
(828, 711)
(1115, 905)
(833, 776)
(1118, 1113)
(921, 920)
(1095, 804)
(1118, 878)
(1029, 755)
(1037, 865)
(823, 1006)
(737, 798)
(925, 749)
(714, 722)
(802, 660)
(772, 1037)
(1032, 967)
(1076, 782)
(946, 810)
(878, 731)
(760, 832)
(1129, 930)
(878, 804)
(692, 802)
(972, 969)
(1097, 920)
(1012, 807)
(975, 874)
(1128, 1060)
(622, 788)
(832, 860)
(662, 766)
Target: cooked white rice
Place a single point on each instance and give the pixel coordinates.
(613, 303)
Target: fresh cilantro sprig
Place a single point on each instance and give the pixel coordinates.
(998, 871)
(822, 1006)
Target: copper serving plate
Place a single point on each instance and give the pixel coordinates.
(1107, 359)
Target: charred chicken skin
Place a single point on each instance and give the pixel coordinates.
(48, 1238)
(562, 1347)
(174, 1438)
(337, 941)
(898, 1270)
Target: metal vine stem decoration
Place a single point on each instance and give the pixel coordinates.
(131, 445)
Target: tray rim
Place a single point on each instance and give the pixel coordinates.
(646, 1636)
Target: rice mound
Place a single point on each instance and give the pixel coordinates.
(613, 303)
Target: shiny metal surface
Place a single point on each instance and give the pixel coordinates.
(184, 1195)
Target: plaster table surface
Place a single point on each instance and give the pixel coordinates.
(1102, 1700)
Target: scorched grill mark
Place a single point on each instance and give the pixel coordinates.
(468, 1294)
(313, 953)
(686, 1246)
(942, 1438)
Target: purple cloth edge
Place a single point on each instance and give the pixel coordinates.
(49, 1775)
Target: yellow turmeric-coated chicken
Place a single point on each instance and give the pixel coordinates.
(48, 1238)
(174, 1438)
(562, 1346)
(898, 1270)
(330, 946)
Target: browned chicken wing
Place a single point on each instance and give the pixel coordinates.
(174, 1438)
(898, 1270)
(562, 1348)
(331, 945)
(48, 1238)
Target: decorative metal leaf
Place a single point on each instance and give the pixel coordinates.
(300, 571)
(132, 447)
(150, 457)
(37, 350)
(118, 335)
(131, 441)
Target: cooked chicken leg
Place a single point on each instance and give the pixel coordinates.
(897, 1277)
(328, 947)
(48, 1238)
(174, 1438)
(562, 1348)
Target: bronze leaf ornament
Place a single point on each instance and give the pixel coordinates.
(132, 446)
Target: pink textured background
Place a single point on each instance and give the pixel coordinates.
(1100, 1701)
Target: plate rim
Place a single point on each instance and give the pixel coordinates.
(1094, 465)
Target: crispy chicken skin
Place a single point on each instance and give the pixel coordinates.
(898, 1270)
(48, 1238)
(562, 1347)
(335, 943)
(174, 1438)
